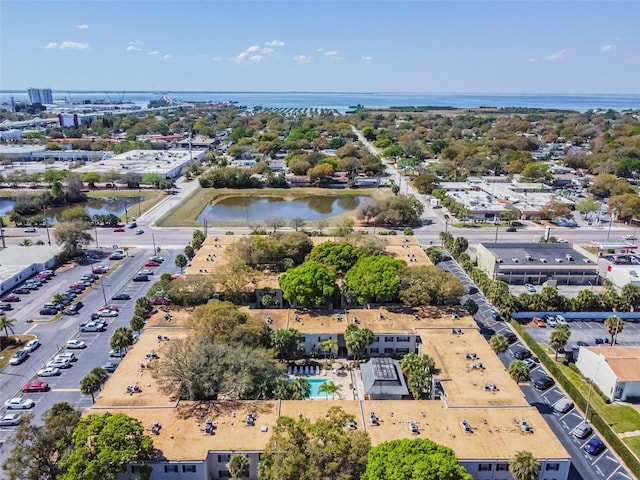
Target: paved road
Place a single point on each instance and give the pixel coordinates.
(54, 335)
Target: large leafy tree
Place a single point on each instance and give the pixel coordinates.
(429, 285)
(37, 448)
(524, 466)
(374, 279)
(338, 256)
(310, 284)
(72, 236)
(555, 209)
(413, 459)
(304, 450)
(625, 206)
(181, 261)
(418, 369)
(357, 339)
(103, 445)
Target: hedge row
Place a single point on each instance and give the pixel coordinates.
(621, 448)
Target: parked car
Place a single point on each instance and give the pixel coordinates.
(30, 230)
(21, 291)
(115, 256)
(539, 322)
(496, 316)
(132, 225)
(511, 229)
(59, 362)
(551, 321)
(48, 311)
(471, 290)
(110, 366)
(580, 343)
(117, 353)
(76, 285)
(521, 354)
(146, 271)
(544, 382)
(563, 405)
(35, 386)
(157, 258)
(19, 357)
(67, 356)
(595, 446)
(76, 344)
(121, 296)
(118, 229)
(141, 278)
(99, 269)
(92, 327)
(561, 320)
(75, 307)
(113, 308)
(10, 420)
(151, 263)
(530, 288)
(19, 403)
(511, 337)
(630, 237)
(582, 431)
(32, 345)
(11, 298)
(530, 362)
(5, 306)
(49, 372)
(107, 312)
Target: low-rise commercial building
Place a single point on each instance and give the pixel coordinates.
(536, 263)
(17, 264)
(614, 369)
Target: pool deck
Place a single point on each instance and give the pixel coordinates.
(349, 380)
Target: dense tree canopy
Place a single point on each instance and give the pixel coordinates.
(338, 256)
(374, 279)
(429, 285)
(415, 459)
(310, 284)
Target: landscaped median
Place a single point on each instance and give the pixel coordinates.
(609, 419)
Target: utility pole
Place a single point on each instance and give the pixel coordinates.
(46, 225)
(153, 238)
(95, 228)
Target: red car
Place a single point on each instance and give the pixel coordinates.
(113, 308)
(151, 263)
(157, 301)
(11, 298)
(119, 229)
(78, 286)
(99, 269)
(35, 386)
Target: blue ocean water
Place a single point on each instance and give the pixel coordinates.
(343, 101)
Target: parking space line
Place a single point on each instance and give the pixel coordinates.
(614, 472)
(596, 460)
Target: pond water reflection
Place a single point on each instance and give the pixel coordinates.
(95, 206)
(252, 209)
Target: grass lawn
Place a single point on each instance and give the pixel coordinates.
(633, 443)
(186, 213)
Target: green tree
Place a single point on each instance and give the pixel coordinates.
(413, 459)
(555, 209)
(91, 178)
(327, 346)
(329, 388)
(510, 214)
(238, 466)
(499, 343)
(181, 261)
(631, 294)
(519, 371)
(300, 388)
(287, 344)
(614, 325)
(524, 466)
(74, 214)
(121, 338)
(38, 448)
(559, 337)
(310, 284)
(587, 205)
(73, 236)
(89, 385)
(137, 323)
(103, 445)
(374, 279)
(7, 325)
(304, 450)
(198, 239)
(234, 279)
(152, 178)
(338, 256)
(275, 223)
(56, 190)
(418, 369)
(357, 339)
(472, 306)
(189, 252)
(429, 285)
(426, 183)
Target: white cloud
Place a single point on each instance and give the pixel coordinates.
(332, 53)
(254, 53)
(531, 59)
(275, 43)
(51, 45)
(82, 26)
(217, 59)
(154, 52)
(303, 58)
(318, 49)
(258, 49)
(559, 55)
(68, 45)
(133, 48)
(367, 58)
(606, 48)
(166, 57)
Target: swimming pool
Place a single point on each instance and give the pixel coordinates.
(315, 388)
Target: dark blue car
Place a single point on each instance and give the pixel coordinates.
(594, 446)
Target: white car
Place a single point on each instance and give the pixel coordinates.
(67, 356)
(49, 372)
(59, 363)
(561, 320)
(552, 321)
(76, 344)
(19, 403)
(31, 345)
(107, 313)
(10, 420)
(630, 237)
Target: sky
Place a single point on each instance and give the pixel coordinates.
(322, 46)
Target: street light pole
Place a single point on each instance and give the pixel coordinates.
(104, 294)
(95, 228)
(46, 224)
(609, 231)
(496, 239)
(153, 238)
(126, 216)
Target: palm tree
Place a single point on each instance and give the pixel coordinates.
(122, 337)
(614, 325)
(418, 369)
(559, 338)
(499, 343)
(282, 389)
(518, 371)
(524, 466)
(300, 388)
(100, 374)
(89, 385)
(329, 387)
(181, 262)
(7, 325)
(327, 346)
(137, 323)
(239, 465)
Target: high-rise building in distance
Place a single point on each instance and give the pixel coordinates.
(40, 95)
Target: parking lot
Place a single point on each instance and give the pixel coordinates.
(588, 332)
